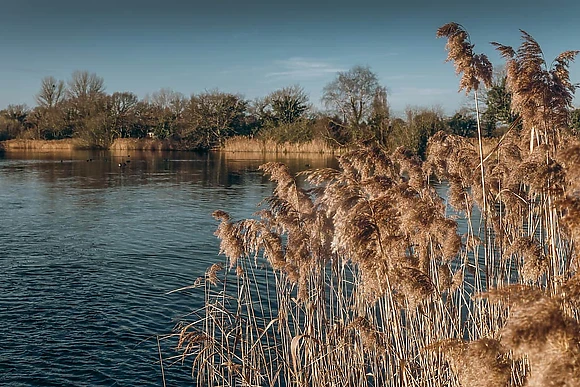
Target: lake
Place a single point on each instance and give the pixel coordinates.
(89, 251)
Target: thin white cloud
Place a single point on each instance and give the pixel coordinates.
(300, 68)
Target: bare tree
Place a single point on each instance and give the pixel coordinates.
(51, 92)
(122, 103)
(17, 112)
(351, 95)
(121, 107)
(85, 85)
(288, 104)
(166, 108)
(167, 99)
(86, 109)
(215, 116)
(379, 121)
(13, 121)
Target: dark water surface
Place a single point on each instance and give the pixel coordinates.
(89, 250)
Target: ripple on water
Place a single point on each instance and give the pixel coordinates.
(89, 252)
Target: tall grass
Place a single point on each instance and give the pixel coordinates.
(70, 144)
(149, 144)
(246, 144)
(40, 145)
(363, 276)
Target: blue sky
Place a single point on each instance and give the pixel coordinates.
(255, 47)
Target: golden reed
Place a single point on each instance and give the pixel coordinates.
(246, 144)
(360, 276)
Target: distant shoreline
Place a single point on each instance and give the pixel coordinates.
(71, 144)
(234, 144)
(256, 145)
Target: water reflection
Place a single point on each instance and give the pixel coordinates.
(105, 169)
(89, 251)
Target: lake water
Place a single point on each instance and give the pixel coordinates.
(89, 251)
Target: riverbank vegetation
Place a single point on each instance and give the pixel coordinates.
(355, 110)
(368, 276)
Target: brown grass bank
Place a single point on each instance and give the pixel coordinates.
(40, 145)
(149, 144)
(70, 144)
(245, 144)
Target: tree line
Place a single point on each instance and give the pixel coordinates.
(356, 110)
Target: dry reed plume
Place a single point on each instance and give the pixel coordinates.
(476, 68)
(360, 275)
(542, 96)
(530, 236)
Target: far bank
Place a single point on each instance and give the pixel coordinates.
(234, 144)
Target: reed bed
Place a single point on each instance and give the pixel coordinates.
(247, 144)
(148, 144)
(363, 276)
(40, 145)
(70, 144)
